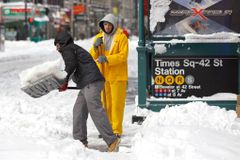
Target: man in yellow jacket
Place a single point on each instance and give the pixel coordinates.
(110, 51)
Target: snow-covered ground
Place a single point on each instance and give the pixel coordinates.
(40, 129)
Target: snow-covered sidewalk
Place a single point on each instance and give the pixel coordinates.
(40, 129)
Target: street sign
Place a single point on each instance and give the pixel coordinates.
(16, 12)
(79, 9)
(80, 17)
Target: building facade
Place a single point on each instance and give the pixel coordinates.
(82, 16)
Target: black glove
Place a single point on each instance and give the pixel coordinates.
(98, 42)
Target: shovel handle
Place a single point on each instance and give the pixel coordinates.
(73, 88)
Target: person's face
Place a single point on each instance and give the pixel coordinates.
(108, 27)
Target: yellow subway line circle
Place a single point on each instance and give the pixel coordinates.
(169, 80)
(159, 80)
(179, 80)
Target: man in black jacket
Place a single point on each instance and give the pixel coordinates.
(82, 69)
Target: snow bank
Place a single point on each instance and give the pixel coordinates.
(35, 73)
(26, 49)
(221, 37)
(192, 131)
(42, 128)
(14, 50)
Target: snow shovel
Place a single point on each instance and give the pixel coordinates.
(43, 86)
(103, 72)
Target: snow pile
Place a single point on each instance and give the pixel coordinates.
(217, 96)
(35, 73)
(85, 43)
(132, 57)
(158, 11)
(42, 128)
(220, 37)
(26, 49)
(14, 50)
(192, 131)
(160, 48)
(215, 37)
(49, 117)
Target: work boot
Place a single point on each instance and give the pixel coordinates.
(84, 142)
(85, 145)
(114, 146)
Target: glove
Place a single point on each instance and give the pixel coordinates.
(98, 42)
(102, 59)
(63, 87)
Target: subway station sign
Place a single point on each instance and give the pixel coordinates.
(182, 77)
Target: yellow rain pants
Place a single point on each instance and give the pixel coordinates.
(115, 102)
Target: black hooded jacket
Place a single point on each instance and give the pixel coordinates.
(77, 61)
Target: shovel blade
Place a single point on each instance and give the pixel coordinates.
(42, 86)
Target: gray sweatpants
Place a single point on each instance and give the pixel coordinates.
(89, 100)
